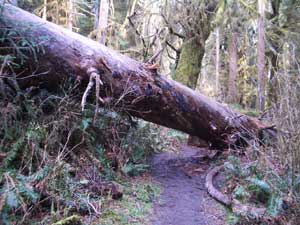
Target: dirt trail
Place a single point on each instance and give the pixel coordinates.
(184, 200)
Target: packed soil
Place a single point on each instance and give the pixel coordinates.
(184, 199)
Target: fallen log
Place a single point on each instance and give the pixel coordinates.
(135, 87)
(238, 208)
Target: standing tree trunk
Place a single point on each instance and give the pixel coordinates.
(45, 10)
(125, 23)
(233, 70)
(261, 57)
(102, 21)
(132, 86)
(217, 61)
(96, 7)
(189, 65)
(193, 47)
(71, 14)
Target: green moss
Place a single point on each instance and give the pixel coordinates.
(189, 63)
(72, 220)
(134, 207)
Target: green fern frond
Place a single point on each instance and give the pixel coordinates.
(14, 151)
(260, 184)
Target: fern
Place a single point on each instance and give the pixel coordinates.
(260, 188)
(27, 192)
(14, 151)
(40, 174)
(12, 199)
(296, 186)
(274, 205)
(233, 166)
(260, 184)
(241, 193)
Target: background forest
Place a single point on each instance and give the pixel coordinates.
(57, 161)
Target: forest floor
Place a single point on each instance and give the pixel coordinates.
(184, 199)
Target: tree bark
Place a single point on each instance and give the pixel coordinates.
(102, 21)
(71, 15)
(96, 7)
(217, 61)
(45, 10)
(233, 70)
(134, 87)
(261, 57)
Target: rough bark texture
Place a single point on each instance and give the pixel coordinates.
(102, 21)
(233, 70)
(189, 64)
(261, 58)
(133, 86)
(217, 61)
(193, 47)
(71, 15)
(214, 192)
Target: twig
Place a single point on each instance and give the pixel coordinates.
(171, 29)
(33, 75)
(154, 57)
(136, 30)
(172, 47)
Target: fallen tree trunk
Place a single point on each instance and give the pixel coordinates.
(133, 86)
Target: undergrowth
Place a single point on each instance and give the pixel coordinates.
(134, 206)
(267, 176)
(55, 160)
(267, 191)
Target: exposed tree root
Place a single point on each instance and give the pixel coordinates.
(215, 193)
(247, 210)
(94, 75)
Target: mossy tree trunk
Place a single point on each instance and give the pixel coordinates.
(196, 32)
(192, 52)
(132, 86)
(189, 64)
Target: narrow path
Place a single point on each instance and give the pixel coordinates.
(184, 200)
